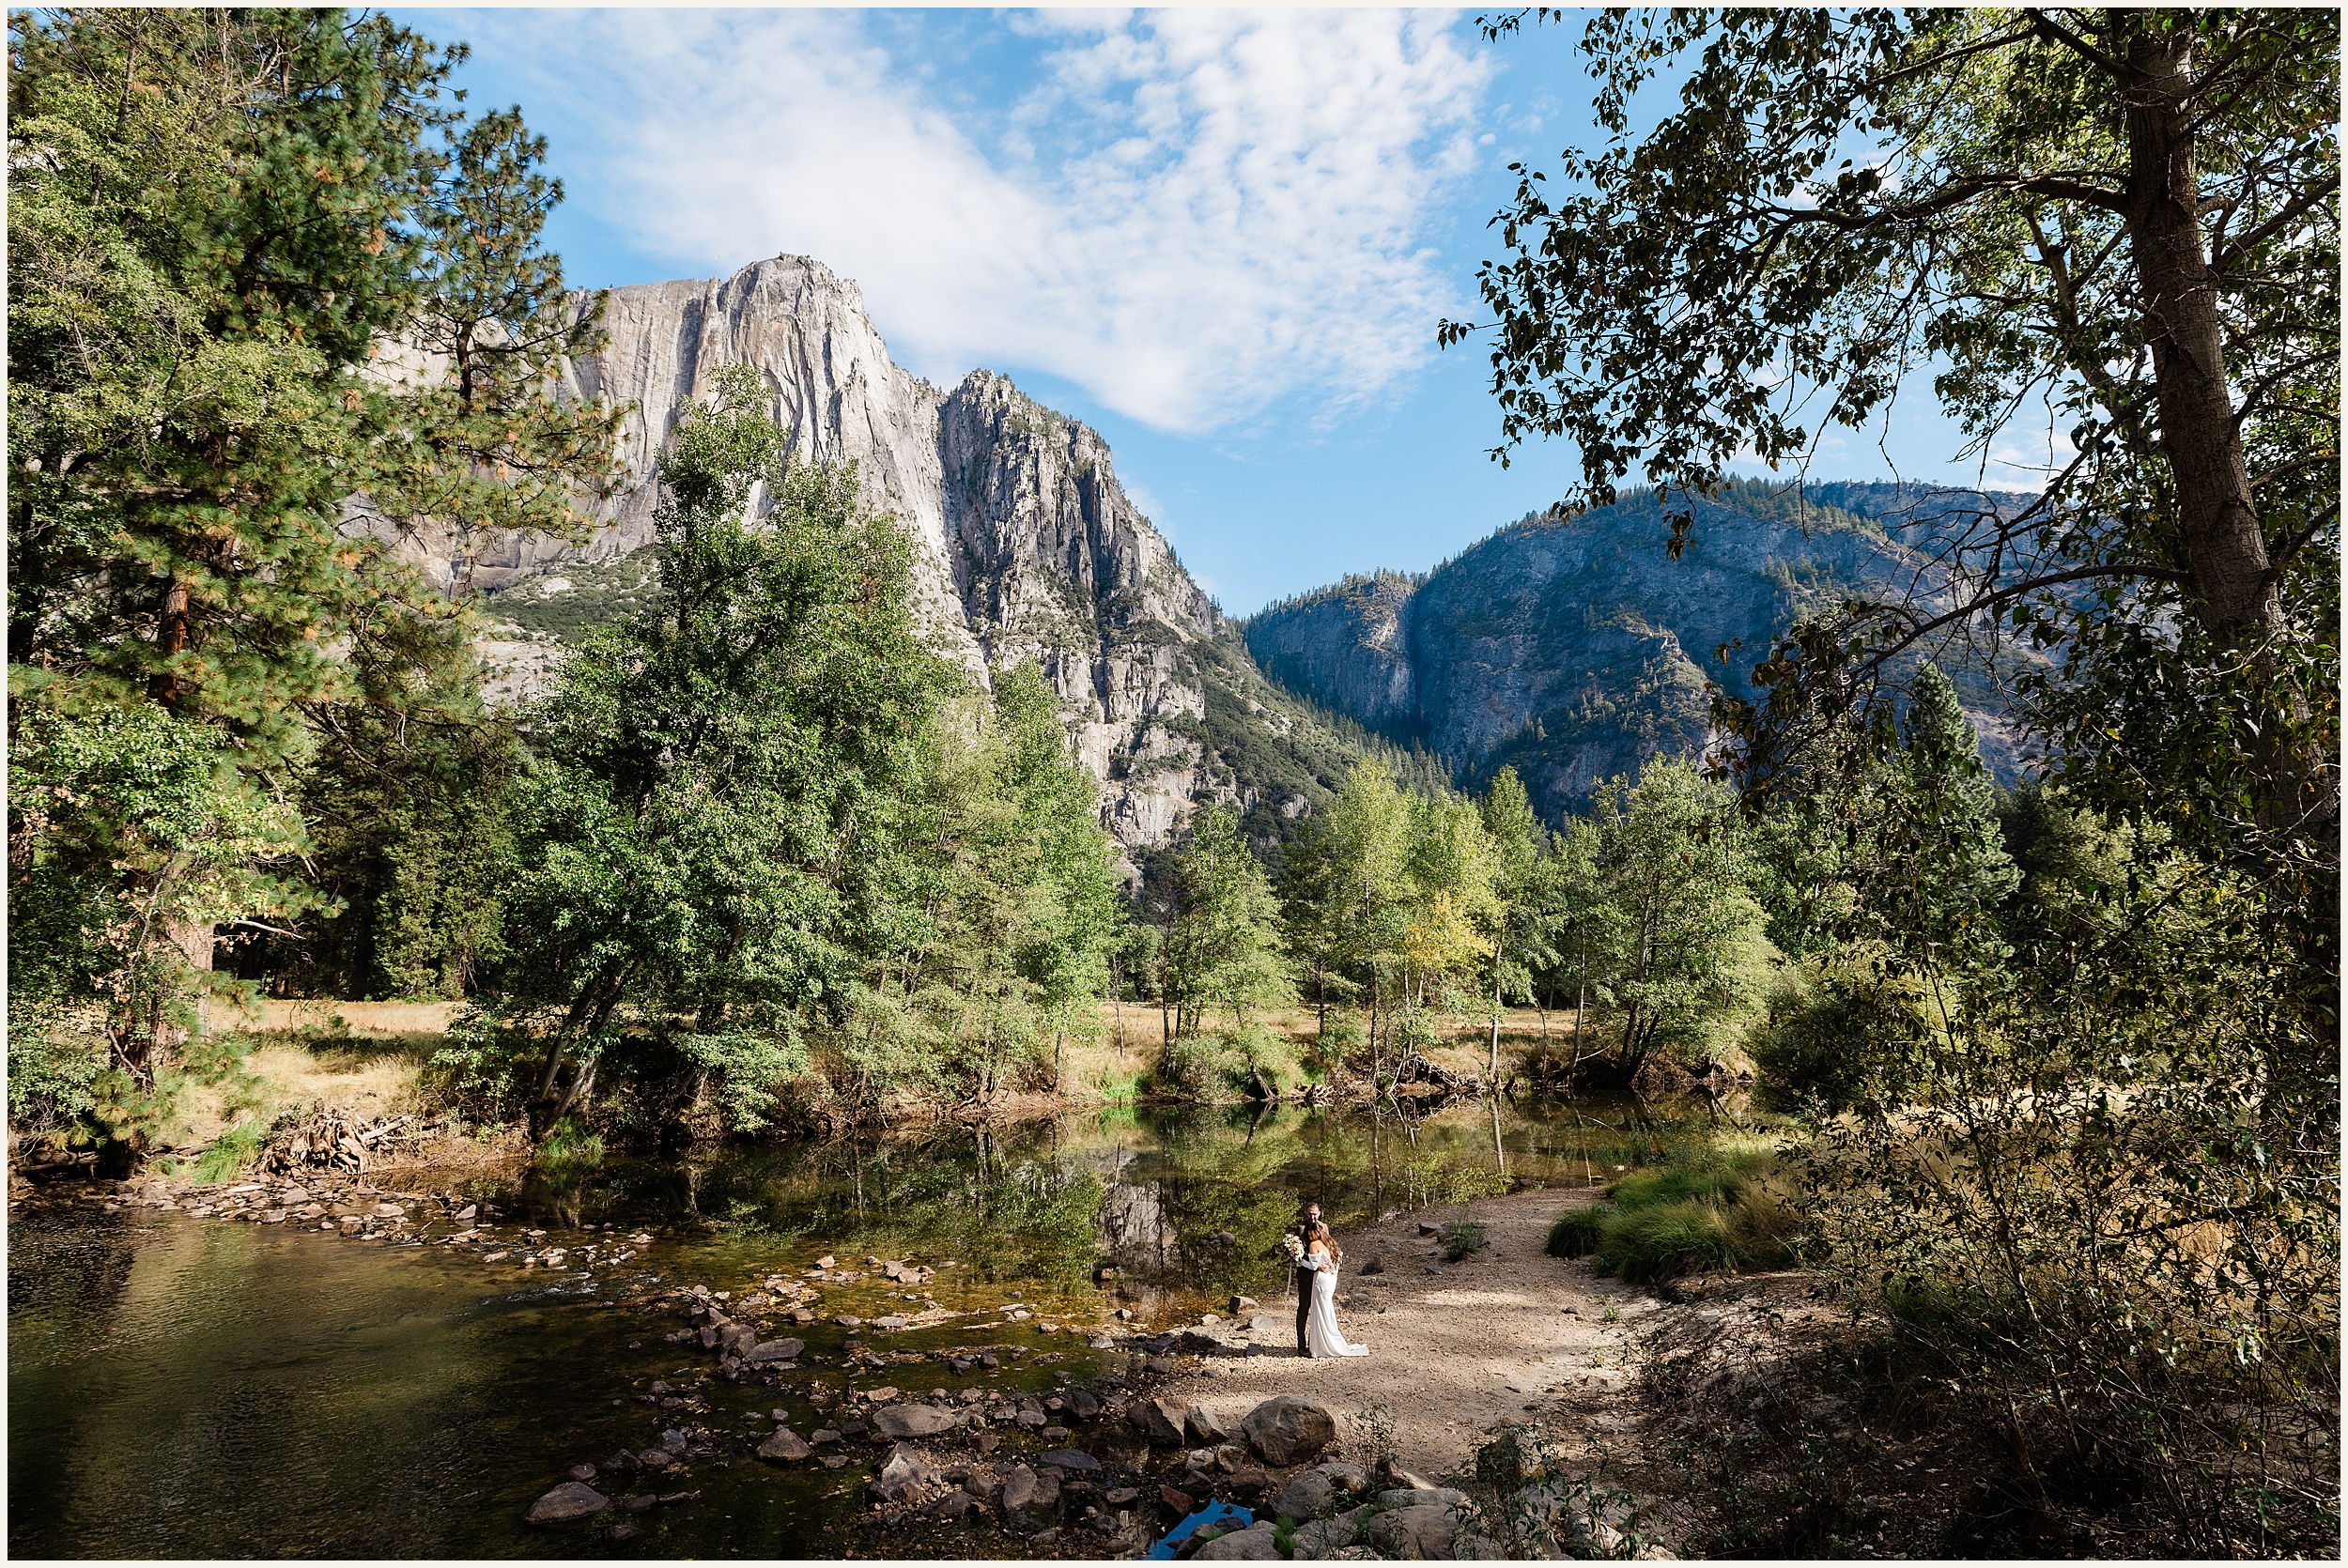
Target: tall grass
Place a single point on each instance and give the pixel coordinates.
(1711, 1210)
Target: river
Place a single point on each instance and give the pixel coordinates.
(195, 1388)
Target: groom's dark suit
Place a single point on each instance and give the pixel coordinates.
(1304, 1282)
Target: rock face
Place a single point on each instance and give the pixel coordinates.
(1575, 650)
(1028, 547)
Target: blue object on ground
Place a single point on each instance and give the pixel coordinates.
(1225, 1516)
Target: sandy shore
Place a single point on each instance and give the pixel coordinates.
(1507, 1334)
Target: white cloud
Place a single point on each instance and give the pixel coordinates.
(1190, 214)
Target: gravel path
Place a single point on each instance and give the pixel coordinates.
(1456, 1348)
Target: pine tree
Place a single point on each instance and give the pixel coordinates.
(220, 225)
(1953, 869)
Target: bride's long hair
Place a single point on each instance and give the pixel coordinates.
(1328, 1238)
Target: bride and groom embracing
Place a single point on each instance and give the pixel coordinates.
(1316, 1255)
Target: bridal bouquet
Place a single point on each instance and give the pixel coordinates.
(1295, 1249)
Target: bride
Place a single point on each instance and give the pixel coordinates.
(1322, 1255)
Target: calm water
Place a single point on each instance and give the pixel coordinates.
(184, 1387)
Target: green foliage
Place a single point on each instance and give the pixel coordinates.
(1703, 1211)
(220, 223)
(706, 833)
(1669, 860)
(1461, 1237)
(568, 1147)
(1221, 948)
(52, 1072)
(767, 828)
(409, 796)
(1851, 1035)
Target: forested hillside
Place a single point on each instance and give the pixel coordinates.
(1572, 648)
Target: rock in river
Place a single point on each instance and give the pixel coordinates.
(904, 1475)
(1071, 1459)
(784, 1445)
(573, 1500)
(913, 1421)
(1160, 1421)
(776, 1350)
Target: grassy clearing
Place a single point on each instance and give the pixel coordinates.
(281, 1070)
(1714, 1210)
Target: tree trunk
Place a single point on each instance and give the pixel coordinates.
(2240, 599)
(1495, 1051)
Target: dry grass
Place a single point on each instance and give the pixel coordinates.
(374, 1077)
(358, 1017)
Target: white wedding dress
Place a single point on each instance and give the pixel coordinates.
(1320, 1329)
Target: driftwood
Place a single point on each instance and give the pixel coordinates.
(1419, 1079)
(336, 1138)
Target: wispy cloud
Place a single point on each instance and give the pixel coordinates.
(1190, 214)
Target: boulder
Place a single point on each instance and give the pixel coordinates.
(773, 1351)
(1320, 1537)
(1307, 1497)
(1159, 1420)
(902, 1476)
(656, 1459)
(573, 1500)
(1351, 1479)
(1073, 1459)
(783, 1446)
(1257, 1543)
(1288, 1430)
(737, 1339)
(954, 1505)
(583, 1472)
(1421, 1531)
(914, 1421)
(1203, 1427)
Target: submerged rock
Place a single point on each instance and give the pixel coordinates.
(573, 1500)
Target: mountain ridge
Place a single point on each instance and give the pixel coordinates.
(1574, 648)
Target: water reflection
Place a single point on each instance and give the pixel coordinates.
(186, 1388)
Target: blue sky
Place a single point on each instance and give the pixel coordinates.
(1222, 238)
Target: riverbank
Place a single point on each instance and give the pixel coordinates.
(1505, 1335)
(371, 1059)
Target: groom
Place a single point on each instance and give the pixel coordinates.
(1304, 1282)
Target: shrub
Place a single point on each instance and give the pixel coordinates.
(1461, 1237)
(1190, 1068)
(52, 1070)
(569, 1145)
(1849, 1039)
(1660, 1240)
(1576, 1231)
(1712, 1209)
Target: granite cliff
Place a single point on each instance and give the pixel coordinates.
(1577, 649)
(1030, 548)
